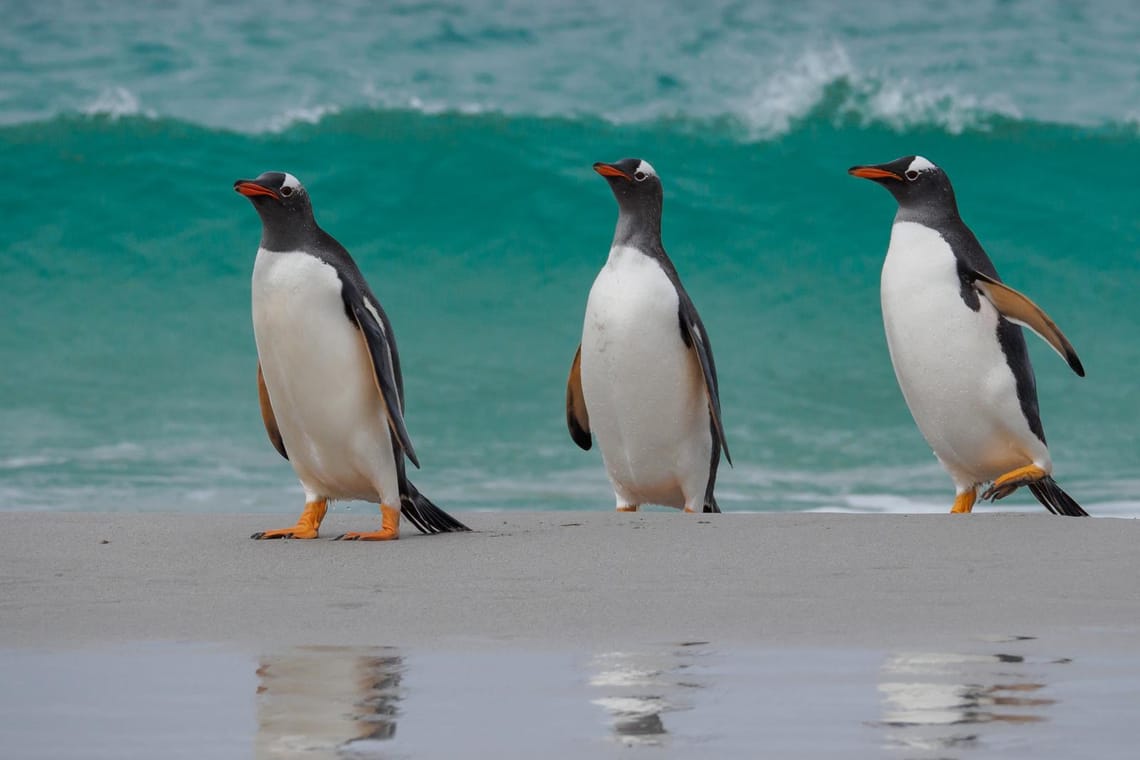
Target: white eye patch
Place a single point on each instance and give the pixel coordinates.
(645, 168)
(291, 182)
(920, 164)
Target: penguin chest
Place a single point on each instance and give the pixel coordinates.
(948, 360)
(642, 384)
(319, 377)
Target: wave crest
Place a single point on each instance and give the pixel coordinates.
(291, 117)
(826, 85)
(754, 99)
(116, 103)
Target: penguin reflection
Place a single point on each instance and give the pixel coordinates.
(639, 688)
(937, 702)
(325, 699)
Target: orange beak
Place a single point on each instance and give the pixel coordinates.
(250, 189)
(606, 170)
(872, 172)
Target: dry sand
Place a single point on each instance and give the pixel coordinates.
(571, 578)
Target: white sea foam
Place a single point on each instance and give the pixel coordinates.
(829, 84)
(768, 96)
(25, 462)
(793, 91)
(770, 99)
(116, 103)
(297, 115)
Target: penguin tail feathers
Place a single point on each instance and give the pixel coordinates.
(712, 506)
(427, 516)
(1056, 500)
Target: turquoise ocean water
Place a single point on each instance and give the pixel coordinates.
(448, 146)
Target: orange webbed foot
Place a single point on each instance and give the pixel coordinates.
(307, 525)
(389, 528)
(964, 502)
(375, 535)
(297, 531)
(1011, 481)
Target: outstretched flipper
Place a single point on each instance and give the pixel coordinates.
(1017, 308)
(577, 418)
(267, 415)
(693, 333)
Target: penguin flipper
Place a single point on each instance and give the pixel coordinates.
(692, 332)
(577, 418)
(1017, 308)
(383, 372)
(267, 415)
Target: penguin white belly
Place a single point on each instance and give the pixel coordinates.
(949, 364)
(643, 387)
(320, 380)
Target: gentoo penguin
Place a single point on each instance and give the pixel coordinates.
(643, 380)
(954, 335)
(328, 374)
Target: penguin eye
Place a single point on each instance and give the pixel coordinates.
(639, 176)
(286, 191)
(912, 175)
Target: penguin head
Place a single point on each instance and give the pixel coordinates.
(284, 207)
(638, 191)
(634, 183)
(915, 182)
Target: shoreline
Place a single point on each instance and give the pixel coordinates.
(581, 579)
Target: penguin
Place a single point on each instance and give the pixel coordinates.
(954, 332)
(328, 373)
(643, 380)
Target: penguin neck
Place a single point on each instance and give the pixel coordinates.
(939, 207)
(640, 230)
(934, 216)
(288, 235)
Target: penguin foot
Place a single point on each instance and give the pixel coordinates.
(1011, 481)
(295, 532)
(373, 535)
(629, 508)
(307, 524)
(964, 502)
(389, 528)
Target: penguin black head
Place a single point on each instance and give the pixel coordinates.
(916, 183)
(634, 182)
(639, 195)
(283, 205)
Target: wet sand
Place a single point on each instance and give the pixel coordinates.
(581, 579)
(1016, 699)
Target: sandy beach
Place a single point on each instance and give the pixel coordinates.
(571, 634)
(580, 578)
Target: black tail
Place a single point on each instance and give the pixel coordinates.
(1055, 500)
(711, 505)
(426, 516)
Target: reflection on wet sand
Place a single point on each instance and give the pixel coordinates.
(326, 701)
(638, 688)
(934, 702)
